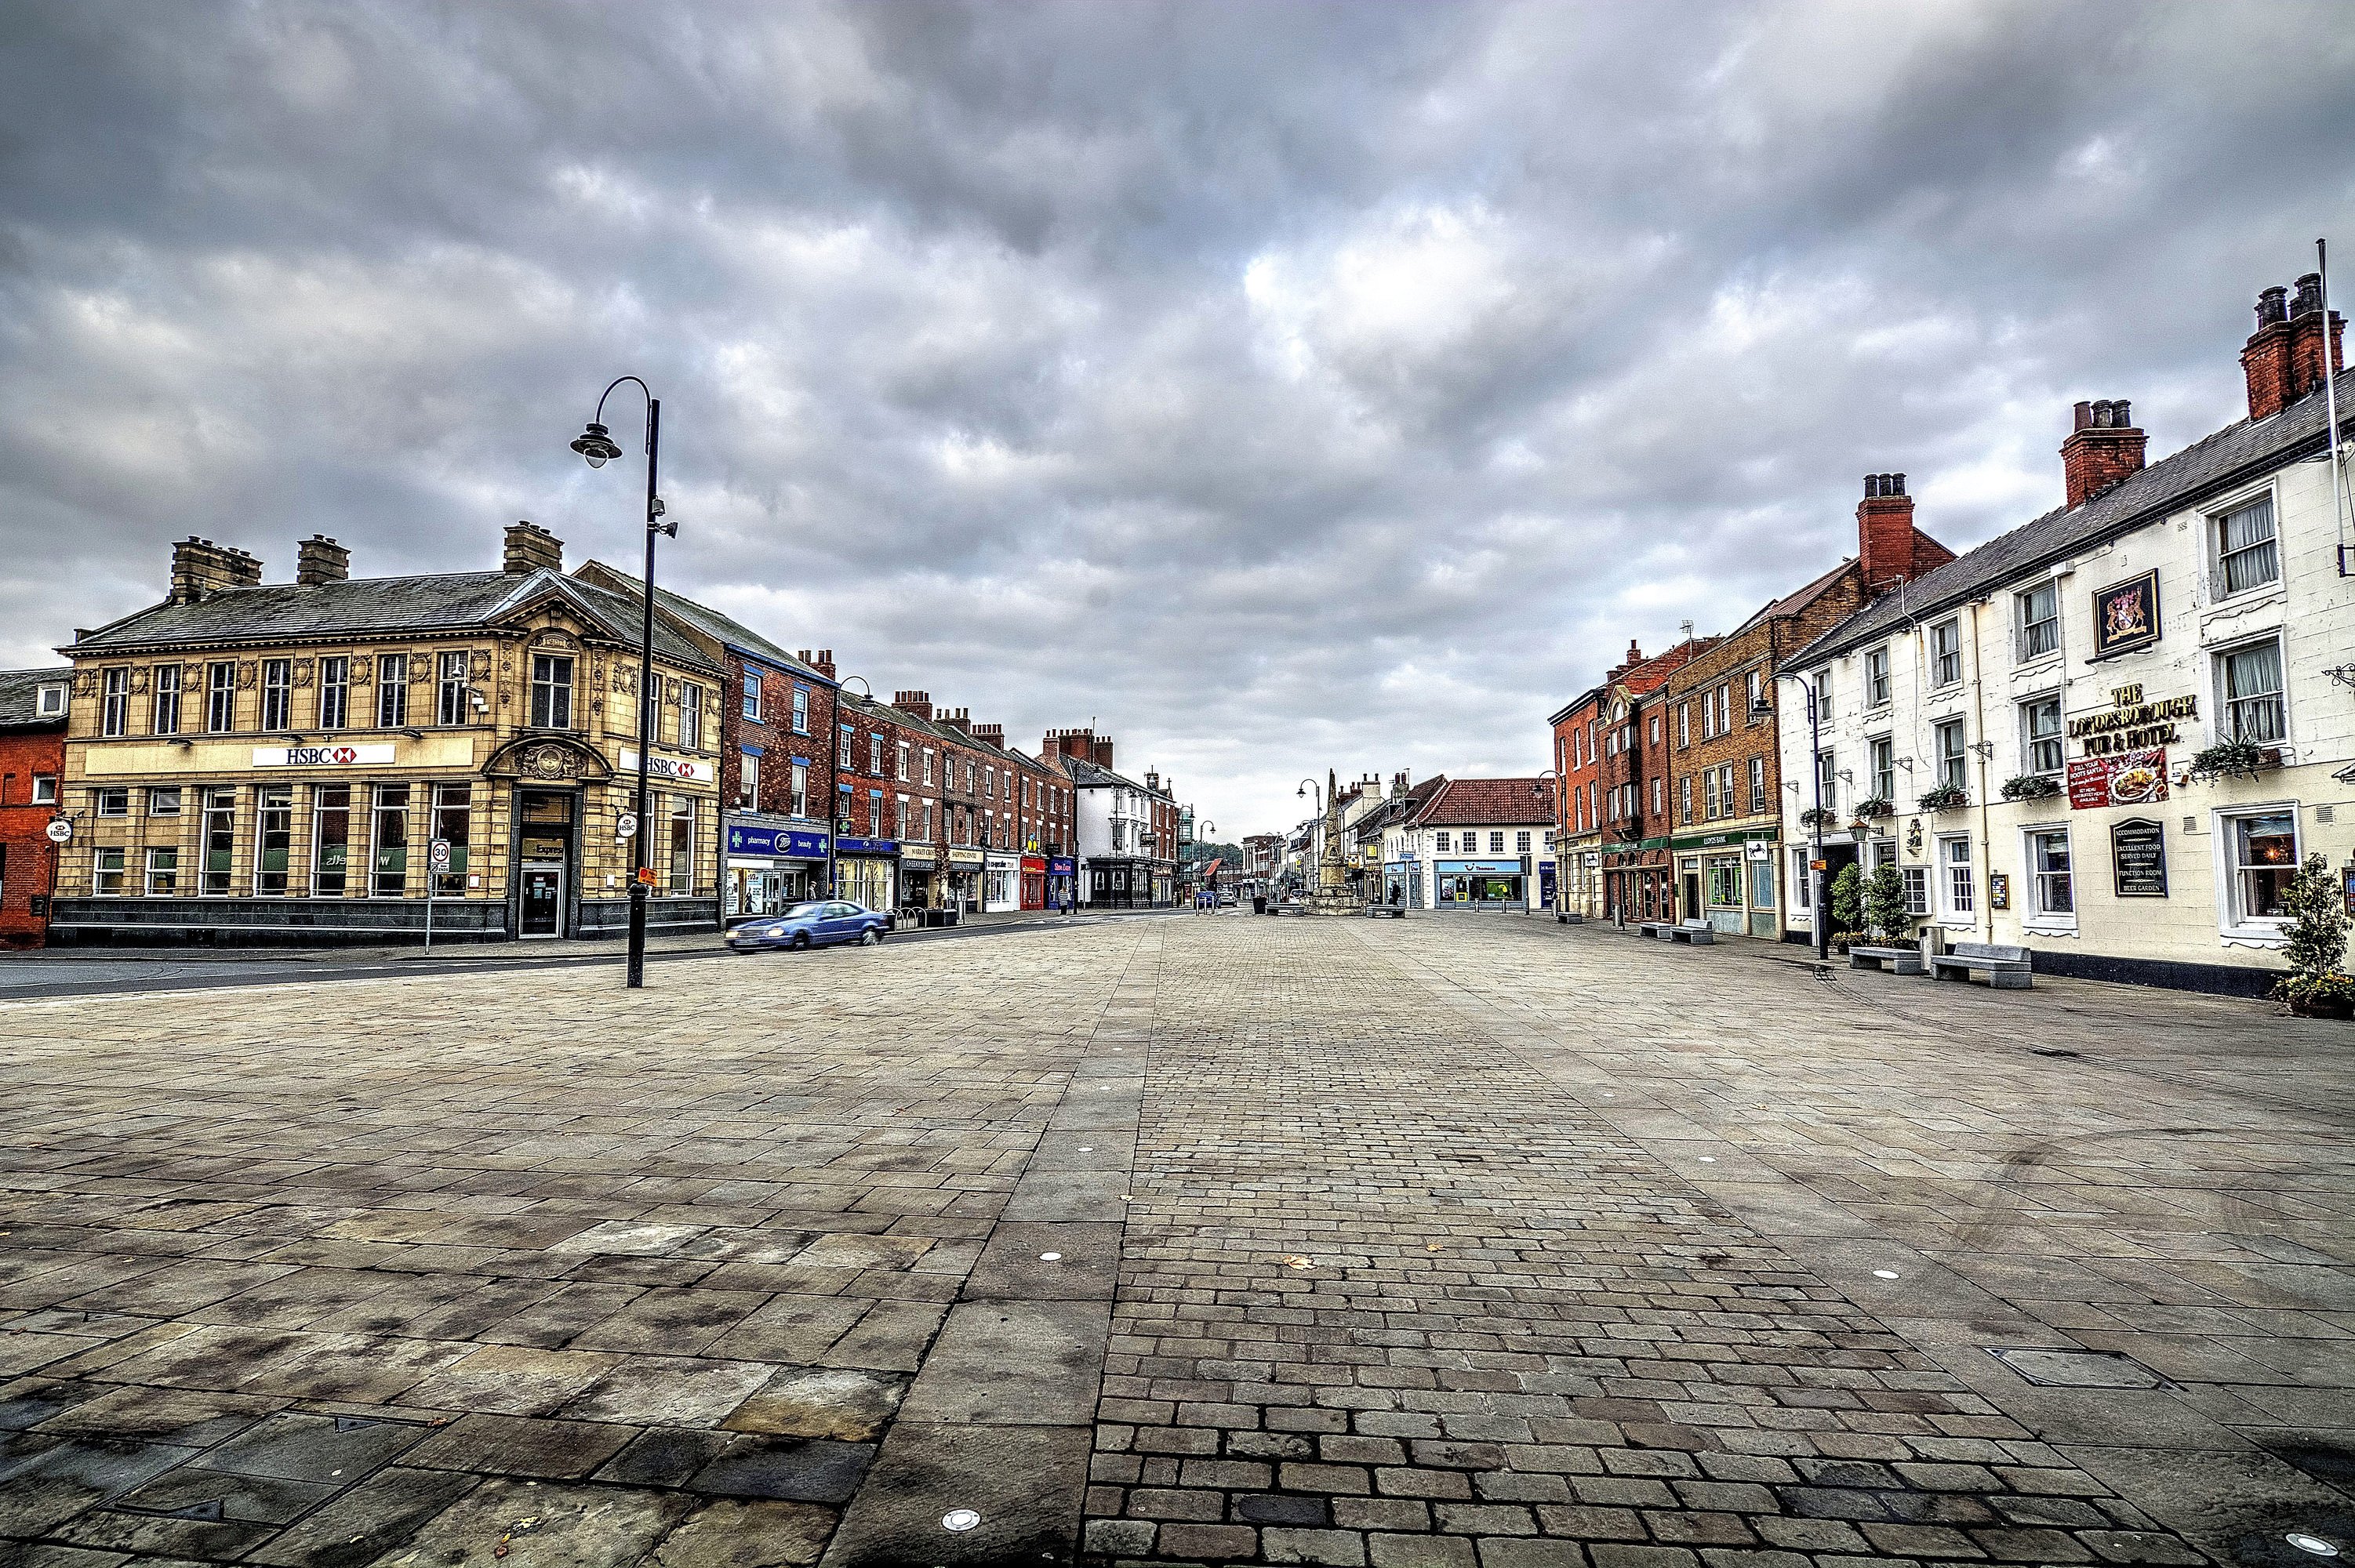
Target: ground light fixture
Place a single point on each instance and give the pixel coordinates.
(2313, 1544)
(959, 1519)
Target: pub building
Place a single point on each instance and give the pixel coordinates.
(340, 759)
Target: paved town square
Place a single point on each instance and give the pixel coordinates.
(1453, 1241)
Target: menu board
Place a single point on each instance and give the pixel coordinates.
(2120, 779)
(2138, 851)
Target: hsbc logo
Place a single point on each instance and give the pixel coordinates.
(320, 756)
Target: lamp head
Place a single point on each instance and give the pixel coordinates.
(595, 445)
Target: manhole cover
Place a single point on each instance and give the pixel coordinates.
(2078, 1368)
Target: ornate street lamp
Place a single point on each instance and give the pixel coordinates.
(595, 444)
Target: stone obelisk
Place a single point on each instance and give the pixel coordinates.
(1331, 894)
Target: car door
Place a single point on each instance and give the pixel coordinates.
(841, 922)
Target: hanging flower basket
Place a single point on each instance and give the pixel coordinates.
(1817, 817)
(1946, 797)
(2228, 758)
(1874, 809)
(2030, 787)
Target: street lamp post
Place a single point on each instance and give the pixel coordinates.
(596, 445)
(1815, 817)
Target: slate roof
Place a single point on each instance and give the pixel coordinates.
(1477, 802)
(1591, 693)
(2213, 464)
(1398, 808)
(373, 606)
(712, 623)
(19, 698)
(1089, 775)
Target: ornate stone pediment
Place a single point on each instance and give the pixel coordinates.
(547, 759)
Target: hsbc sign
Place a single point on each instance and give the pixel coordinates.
(320, 756)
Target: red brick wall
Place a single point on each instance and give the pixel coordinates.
(30, 858)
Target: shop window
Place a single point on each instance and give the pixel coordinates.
(273, 838)
(1946, 653)
(450, 690)
(162, 872)
(163, 683)
(2250, 678)
(551, 694)
(454, 822)
(2051, 893)
(2041, 733)
(218, 836)
(2037, 611)
(114, 702)
(388, 839)
(682, 847)
(331, 840)
(1959, 887)
(335, 691)
(2262, 846)
(163, 800)
(392, 690)
(2247, 556)
(277, 696)
(1947, 738)
(106, 873)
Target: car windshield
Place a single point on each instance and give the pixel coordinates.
(802, 909)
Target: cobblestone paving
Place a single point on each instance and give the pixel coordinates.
(1466, 1242)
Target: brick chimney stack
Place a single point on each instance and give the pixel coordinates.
(958, 719)
(917, 702)
(2103, 449)
(320, 560)
(1885, 531)
(199, 568)
(531, 549)
(824, 662)
(991, 734)
(1635, 657)
(2283, 358)
(1398, 784)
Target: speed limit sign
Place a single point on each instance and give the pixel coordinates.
(437, 855)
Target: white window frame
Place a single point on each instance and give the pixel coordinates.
(2226, 727)
(1950, 627)
(1957, 898)
(45, 788)
(2218, 566)
(1880, 690)
(2231, 923)
(2058, 739)
(2024, 628)
(50, 701)
(1960, 778)
(2035, 915)
(1877, 749)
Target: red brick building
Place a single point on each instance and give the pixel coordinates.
(32, 761)
(1634, 771)
(1578, 826)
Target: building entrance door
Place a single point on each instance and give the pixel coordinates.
(1692, 909)
(543, 901)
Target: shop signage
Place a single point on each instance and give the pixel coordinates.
(1761, 850)
(2130, 723)
(59, 830)
(866, 846)
(1999, 890)
(1480, 867)
(790, 843)
(2126, 779)
(1060, 865)
(965, 857)
(2139, 854)
(918, 855)
(680, 769)
(321, 756)
(2126, 615)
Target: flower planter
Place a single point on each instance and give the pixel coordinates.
(2337, 1007)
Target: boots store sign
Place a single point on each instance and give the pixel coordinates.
(320, 756)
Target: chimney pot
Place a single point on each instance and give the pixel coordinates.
(531, 549)
(199, 568)
(2084, 417)
(319, 560)
(2102, 451)
(2309, 296)
(2273, 306)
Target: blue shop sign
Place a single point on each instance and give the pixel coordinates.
(867, 846)
(1060, 865)
(761, 838)
(1480, 868)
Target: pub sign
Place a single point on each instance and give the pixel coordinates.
(2126, 615)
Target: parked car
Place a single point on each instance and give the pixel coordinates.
(810, 925)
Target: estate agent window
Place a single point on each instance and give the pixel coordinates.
(277, 696)
(2247, 556)
(331, 840)
(449, 698)
(2040, 621)
(2263, 850)
(335, 691)
(219, 838)
(392, 690)
(164, 681)
(1946, 653)
(1951, 753)
(273, 839)
(2050, 893)
(389, 866)
(1876, 678)
(552, 691)
(114, 702)
(2251, 682)
(2041, 733)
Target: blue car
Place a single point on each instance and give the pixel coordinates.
(810, 925)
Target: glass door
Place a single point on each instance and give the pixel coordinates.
(543, 901)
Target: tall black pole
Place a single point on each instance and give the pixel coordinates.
(646, 710)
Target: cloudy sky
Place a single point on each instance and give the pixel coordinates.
(1280, 385)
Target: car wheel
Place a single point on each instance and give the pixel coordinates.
(869, 936)
(801, 941)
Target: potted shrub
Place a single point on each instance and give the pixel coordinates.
(2227, 757)
(1946, 797)
(1885, 913)
(2030, 787)
(2317, 987)
(1848, 903)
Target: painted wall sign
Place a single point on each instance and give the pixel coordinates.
(321, 756)
(2131, 723)
(2127, 778)
(2126, 615)
(2138, 856)
(678, 770)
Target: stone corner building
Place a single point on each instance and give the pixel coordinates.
(254, 764)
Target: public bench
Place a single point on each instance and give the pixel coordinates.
(2007, 968)
(1900, 960)
(1395, 911)
(1699, 933)
(1655, 930)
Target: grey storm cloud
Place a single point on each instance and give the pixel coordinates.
(1280, 385)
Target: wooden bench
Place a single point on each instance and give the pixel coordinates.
(1697, 932)
(1900, 960)
(1395, 911)
(2007, 968)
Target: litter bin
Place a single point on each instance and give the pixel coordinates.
(1259, 903)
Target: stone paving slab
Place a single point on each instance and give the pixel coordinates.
(1487, 1245)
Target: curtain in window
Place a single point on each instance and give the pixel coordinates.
(2253, 684)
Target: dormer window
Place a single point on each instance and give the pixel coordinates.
(49, 701)
(552, 691)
